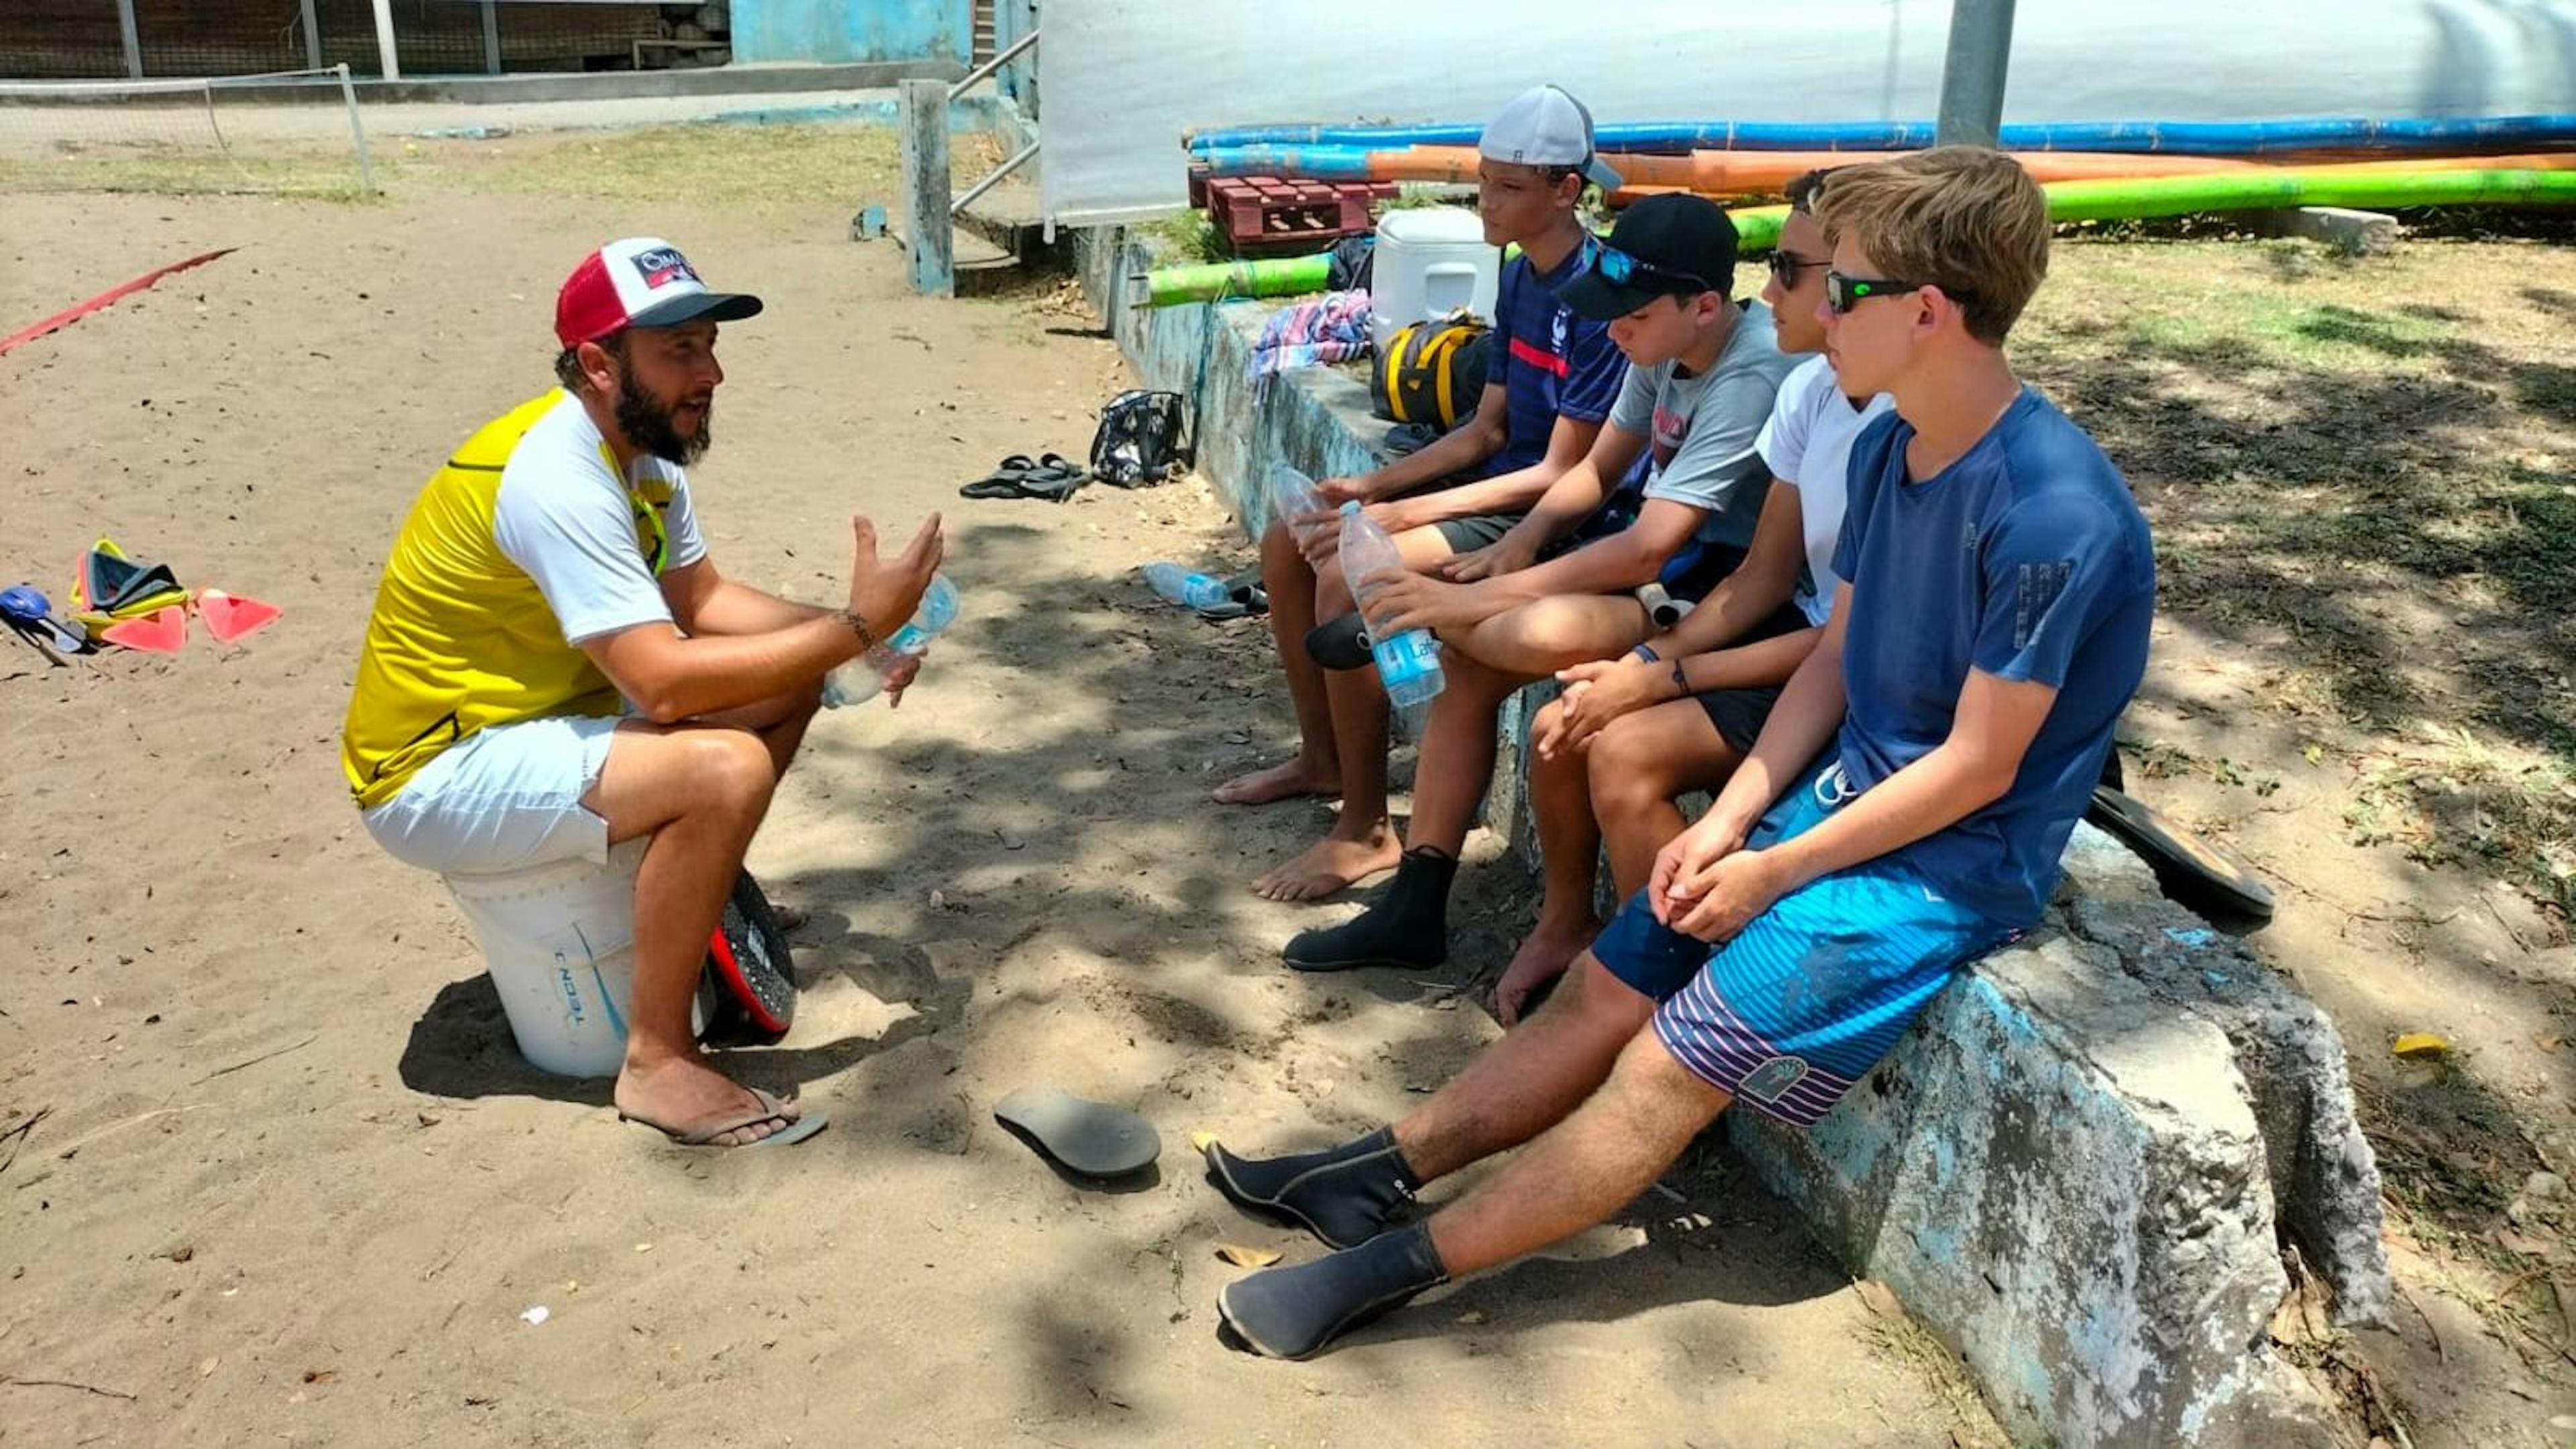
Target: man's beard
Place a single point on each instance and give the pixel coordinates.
(646, 421)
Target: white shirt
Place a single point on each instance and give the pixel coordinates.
(565, 515)
(1807, 442)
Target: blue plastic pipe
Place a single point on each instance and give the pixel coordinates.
(2184, 138)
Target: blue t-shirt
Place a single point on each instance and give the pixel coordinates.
(1551, 361)
(2028, 559)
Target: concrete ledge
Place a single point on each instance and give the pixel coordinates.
(2082, 1168)
(2360, 233)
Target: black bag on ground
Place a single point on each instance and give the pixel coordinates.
(1430, 372)
(1143, 439)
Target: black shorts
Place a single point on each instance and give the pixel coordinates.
(1739, 713)
(1478, 530)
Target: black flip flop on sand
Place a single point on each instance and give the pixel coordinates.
(1091, 1138)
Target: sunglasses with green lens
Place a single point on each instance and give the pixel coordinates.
(1843, 293)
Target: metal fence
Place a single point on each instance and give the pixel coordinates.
(88, 39)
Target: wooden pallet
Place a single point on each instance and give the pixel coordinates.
(1259, 215)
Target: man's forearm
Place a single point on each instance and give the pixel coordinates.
(713, 673)
(737, 609)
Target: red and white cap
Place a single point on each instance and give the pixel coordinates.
(642, 281)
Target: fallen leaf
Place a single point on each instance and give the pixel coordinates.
(1880, 1298)
(2418, 1044)
(1243, 1257)
(1472, 1316)
(2549, 1043)
(1202, 1141)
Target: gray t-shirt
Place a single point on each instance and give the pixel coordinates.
(1702, 429)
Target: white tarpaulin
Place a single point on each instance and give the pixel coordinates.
(1124, 78)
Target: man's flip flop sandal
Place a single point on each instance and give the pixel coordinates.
(1052, 477)
(794, 1132)
(2191, 871)
(1341, 643)
(1091, 1138)
(753, 969)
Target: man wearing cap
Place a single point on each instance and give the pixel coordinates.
(1564, 585)
(554, 664)
(1551, 383)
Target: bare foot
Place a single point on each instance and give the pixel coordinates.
(1541, 959)
(684, 1095)
(1332, 863)
(1280, 782)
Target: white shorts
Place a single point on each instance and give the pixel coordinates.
(505, 799)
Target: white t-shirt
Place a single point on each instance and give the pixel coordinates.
(1807, 442)
(565, 516)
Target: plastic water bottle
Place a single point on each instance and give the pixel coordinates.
(1292, 496)
(1409, 663)
(1180, 586)
(863, 678)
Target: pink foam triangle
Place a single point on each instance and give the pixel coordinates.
(164, 631)
(230, 616)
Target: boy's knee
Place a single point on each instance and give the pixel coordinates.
(1622, 765)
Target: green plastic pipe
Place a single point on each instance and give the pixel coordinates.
(1216, 281)
(1757, 228)
(2124, 198)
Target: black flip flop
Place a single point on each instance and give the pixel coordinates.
(1009, 479)
(1091, 1138)
(2193, 872)
(1341, 643)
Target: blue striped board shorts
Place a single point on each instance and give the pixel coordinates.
(1792, 1013)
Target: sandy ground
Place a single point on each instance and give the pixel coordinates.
(290, 1183)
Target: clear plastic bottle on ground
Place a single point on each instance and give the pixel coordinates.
(863, 678)
(1180, 586)
(1408, 663)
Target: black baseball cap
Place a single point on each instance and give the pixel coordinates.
(1673, 245)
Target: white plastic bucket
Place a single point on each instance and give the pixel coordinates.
(1428, 263)
(559, 941)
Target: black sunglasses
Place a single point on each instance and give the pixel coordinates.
(1786, 267)
(1843, 293)
(1618, 268)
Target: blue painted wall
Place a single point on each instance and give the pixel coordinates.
(844, 31)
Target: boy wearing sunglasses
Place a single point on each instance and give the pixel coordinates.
(1680, 711)
(1563, 586)
(1550, 386)
(1902, 812)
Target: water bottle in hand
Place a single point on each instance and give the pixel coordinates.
(862, 678)
(1408, 663)
(1180, 586)
(1292, 496)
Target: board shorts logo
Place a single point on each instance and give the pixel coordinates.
(1772, 1080)
(664, 265)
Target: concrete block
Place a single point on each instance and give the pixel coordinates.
(2361, 233)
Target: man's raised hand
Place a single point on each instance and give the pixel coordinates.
(885, 593)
